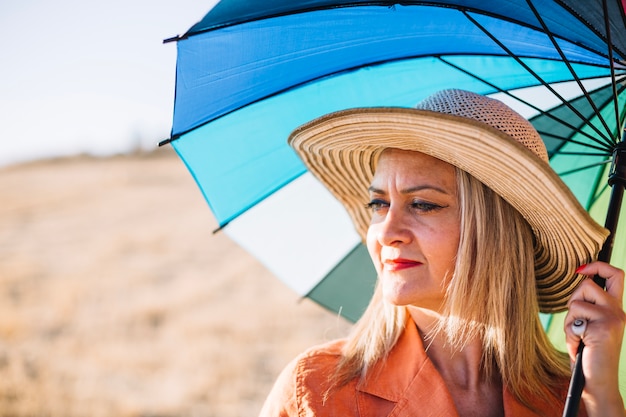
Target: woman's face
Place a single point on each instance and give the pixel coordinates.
(414, 233)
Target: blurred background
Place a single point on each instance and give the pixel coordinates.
(116, 299)
(88, 77)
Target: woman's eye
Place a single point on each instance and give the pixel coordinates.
(424, 207)
(376, 205)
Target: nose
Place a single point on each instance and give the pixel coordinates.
(392, 228)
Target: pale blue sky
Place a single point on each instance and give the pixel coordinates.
(80, 76)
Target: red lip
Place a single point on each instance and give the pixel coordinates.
(399, 264)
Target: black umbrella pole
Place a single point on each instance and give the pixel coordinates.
(617, 180)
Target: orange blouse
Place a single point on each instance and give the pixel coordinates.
(405, 385)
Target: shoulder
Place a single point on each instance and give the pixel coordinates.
(319, 359)
(311, 370)
(304, 381)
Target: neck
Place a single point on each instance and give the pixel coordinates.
(474, 393)
(460, 367)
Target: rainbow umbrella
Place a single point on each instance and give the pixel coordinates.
(250, 72)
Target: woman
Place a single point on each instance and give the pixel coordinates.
(472, 234)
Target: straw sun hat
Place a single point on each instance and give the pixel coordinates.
(483, 137)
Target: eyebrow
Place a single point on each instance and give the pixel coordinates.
(410, 190)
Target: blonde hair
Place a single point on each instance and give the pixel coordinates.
(495, 264)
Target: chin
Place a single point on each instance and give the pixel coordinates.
(406, 298)
(398, 299)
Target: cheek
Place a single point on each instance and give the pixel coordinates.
(447, 250)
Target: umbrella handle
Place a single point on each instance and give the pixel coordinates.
(617, 180)
(576, 385)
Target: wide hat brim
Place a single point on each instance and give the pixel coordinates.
(341, 149)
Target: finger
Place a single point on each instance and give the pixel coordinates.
(588, 292)
(614, 277)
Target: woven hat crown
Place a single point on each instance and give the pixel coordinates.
(489, 111)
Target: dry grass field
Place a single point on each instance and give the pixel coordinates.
(117, 300)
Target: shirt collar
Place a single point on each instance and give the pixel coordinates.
(408, 377)
(389, 378)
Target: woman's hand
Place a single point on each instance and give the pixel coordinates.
(605, 319)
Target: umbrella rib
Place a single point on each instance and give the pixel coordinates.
(569, 65)
(604, 145)
(609, 42)
(566, 6)
(614, 98)
(606, 150)
(538, 78)
(582, 168)
(605, 154)
(570, 140)
(594, 198)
